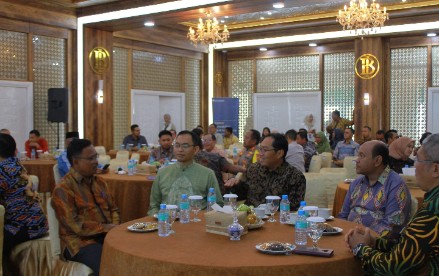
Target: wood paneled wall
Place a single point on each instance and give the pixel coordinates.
(98, 118)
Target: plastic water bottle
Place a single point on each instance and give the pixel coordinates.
(32, 154)
(151, 159)
(163, 225)
(284, 209)
(235, 152)
(301, 229)
(130, 167)
(122, 147)
(184, 209)
(211, 199)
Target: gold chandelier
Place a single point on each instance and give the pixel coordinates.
(361, 18)
(208, 32)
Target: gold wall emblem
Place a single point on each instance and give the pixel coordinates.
(99, 60)
(219, 79)
(367, 66)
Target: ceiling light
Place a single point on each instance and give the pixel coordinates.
(262, 49)
(226, 16)
(149, 24)
(222, 21)
(431, 34)
(269, 13)
(278, 4)
(208, 32)
(262, 18)
(312, 45)
(361, 17)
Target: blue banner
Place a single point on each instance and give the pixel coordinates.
(226, 114)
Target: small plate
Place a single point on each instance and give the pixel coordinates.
(255, 225)
(143, 227)
(330, 218)
(338, 229)
(264, 248)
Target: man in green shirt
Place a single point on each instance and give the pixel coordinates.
(184, 177)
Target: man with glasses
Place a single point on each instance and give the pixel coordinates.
(84, 207)
(414, 250)
(184, 177)
(378, 199)
(272, 175)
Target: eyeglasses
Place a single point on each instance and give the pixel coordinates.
(183, 146)
(91, 158)
(263, 150)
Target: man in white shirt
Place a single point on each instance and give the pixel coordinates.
(212, 130)
(295, 151)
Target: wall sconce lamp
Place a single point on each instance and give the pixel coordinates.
(366, 99)
(100, 95)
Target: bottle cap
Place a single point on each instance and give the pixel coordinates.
(284, 197)
(303, 203)
(162, 206)
(211, 190)
(184, 196)
(301, 213)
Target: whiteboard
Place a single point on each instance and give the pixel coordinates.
(284, 111)
(433, 110)
(17, 110)
(148, 108)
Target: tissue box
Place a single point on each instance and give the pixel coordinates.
(217, 222)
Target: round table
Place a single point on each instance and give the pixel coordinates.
(144, 155)
(43, 168)
(193, 251)
(130, 193)
(342, 190)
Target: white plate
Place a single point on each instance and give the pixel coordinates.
(143, 227)
(339, 230)
(290, 248)
(330, 218)
(256, 225)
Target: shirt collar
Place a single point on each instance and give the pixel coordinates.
(432, 194)
(79, 177)
(383, 176)
(185, 167)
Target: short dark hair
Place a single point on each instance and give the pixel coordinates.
(36, 132)
(380, 132)
(425, 135)
(389, 134)
(7, 145)
(195, 138)
(198, 131)
(134, 126)
(336, 112)
(368, 127)
(302, 135)
(292, 134)
(212, 136)
(75, 148)
(352, 130)
(229, 129)
(381, 149)
(279, 143)
(256, 135)
(164, 132)
(213, 124)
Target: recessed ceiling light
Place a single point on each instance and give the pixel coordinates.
(278, 4)
(262, 18)
(222, 21)
(404, 1)
(269, 13)
(431, 34)
(226, 16)
(312, 45)
(149, 24)
(262, 49)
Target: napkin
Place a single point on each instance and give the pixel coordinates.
(226, 209)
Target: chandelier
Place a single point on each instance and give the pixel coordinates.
(361, 18)
(208, 32)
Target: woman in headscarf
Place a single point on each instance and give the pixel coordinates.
(322, 144)
(399, 153)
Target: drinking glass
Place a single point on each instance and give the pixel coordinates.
(315, 229)
(230, 200)
(172, 210)
(312, 211)
(195, 202)
(272, 204)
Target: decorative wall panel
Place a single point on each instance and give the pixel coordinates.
(13, 55)
(435, 65)
(192, 88)
(295, 73)
(241, 86)
(49, 69)
(408, 90)
(156, 72)
(121, 95)
(339, 85)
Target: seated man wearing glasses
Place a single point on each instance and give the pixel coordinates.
(84, 207)
(272, 175)
(414, 250)
(183, 177)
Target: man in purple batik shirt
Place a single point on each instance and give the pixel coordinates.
(380, 198)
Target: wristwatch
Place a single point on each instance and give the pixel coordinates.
(357, 248)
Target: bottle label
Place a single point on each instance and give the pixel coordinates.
(211, 198)
(301, 225)
(285, 207)
(184, 205)
(163, 216)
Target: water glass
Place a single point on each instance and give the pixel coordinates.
(195, 203)
(312, 211)
(315, 229)
(272, 204)
(172, 211)
(230, 200)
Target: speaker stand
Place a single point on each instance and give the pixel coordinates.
(57, 138)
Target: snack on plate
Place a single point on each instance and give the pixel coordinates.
(144, 226)
(328, 228)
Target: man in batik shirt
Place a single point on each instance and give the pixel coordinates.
(414, 250)
(248, 154)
